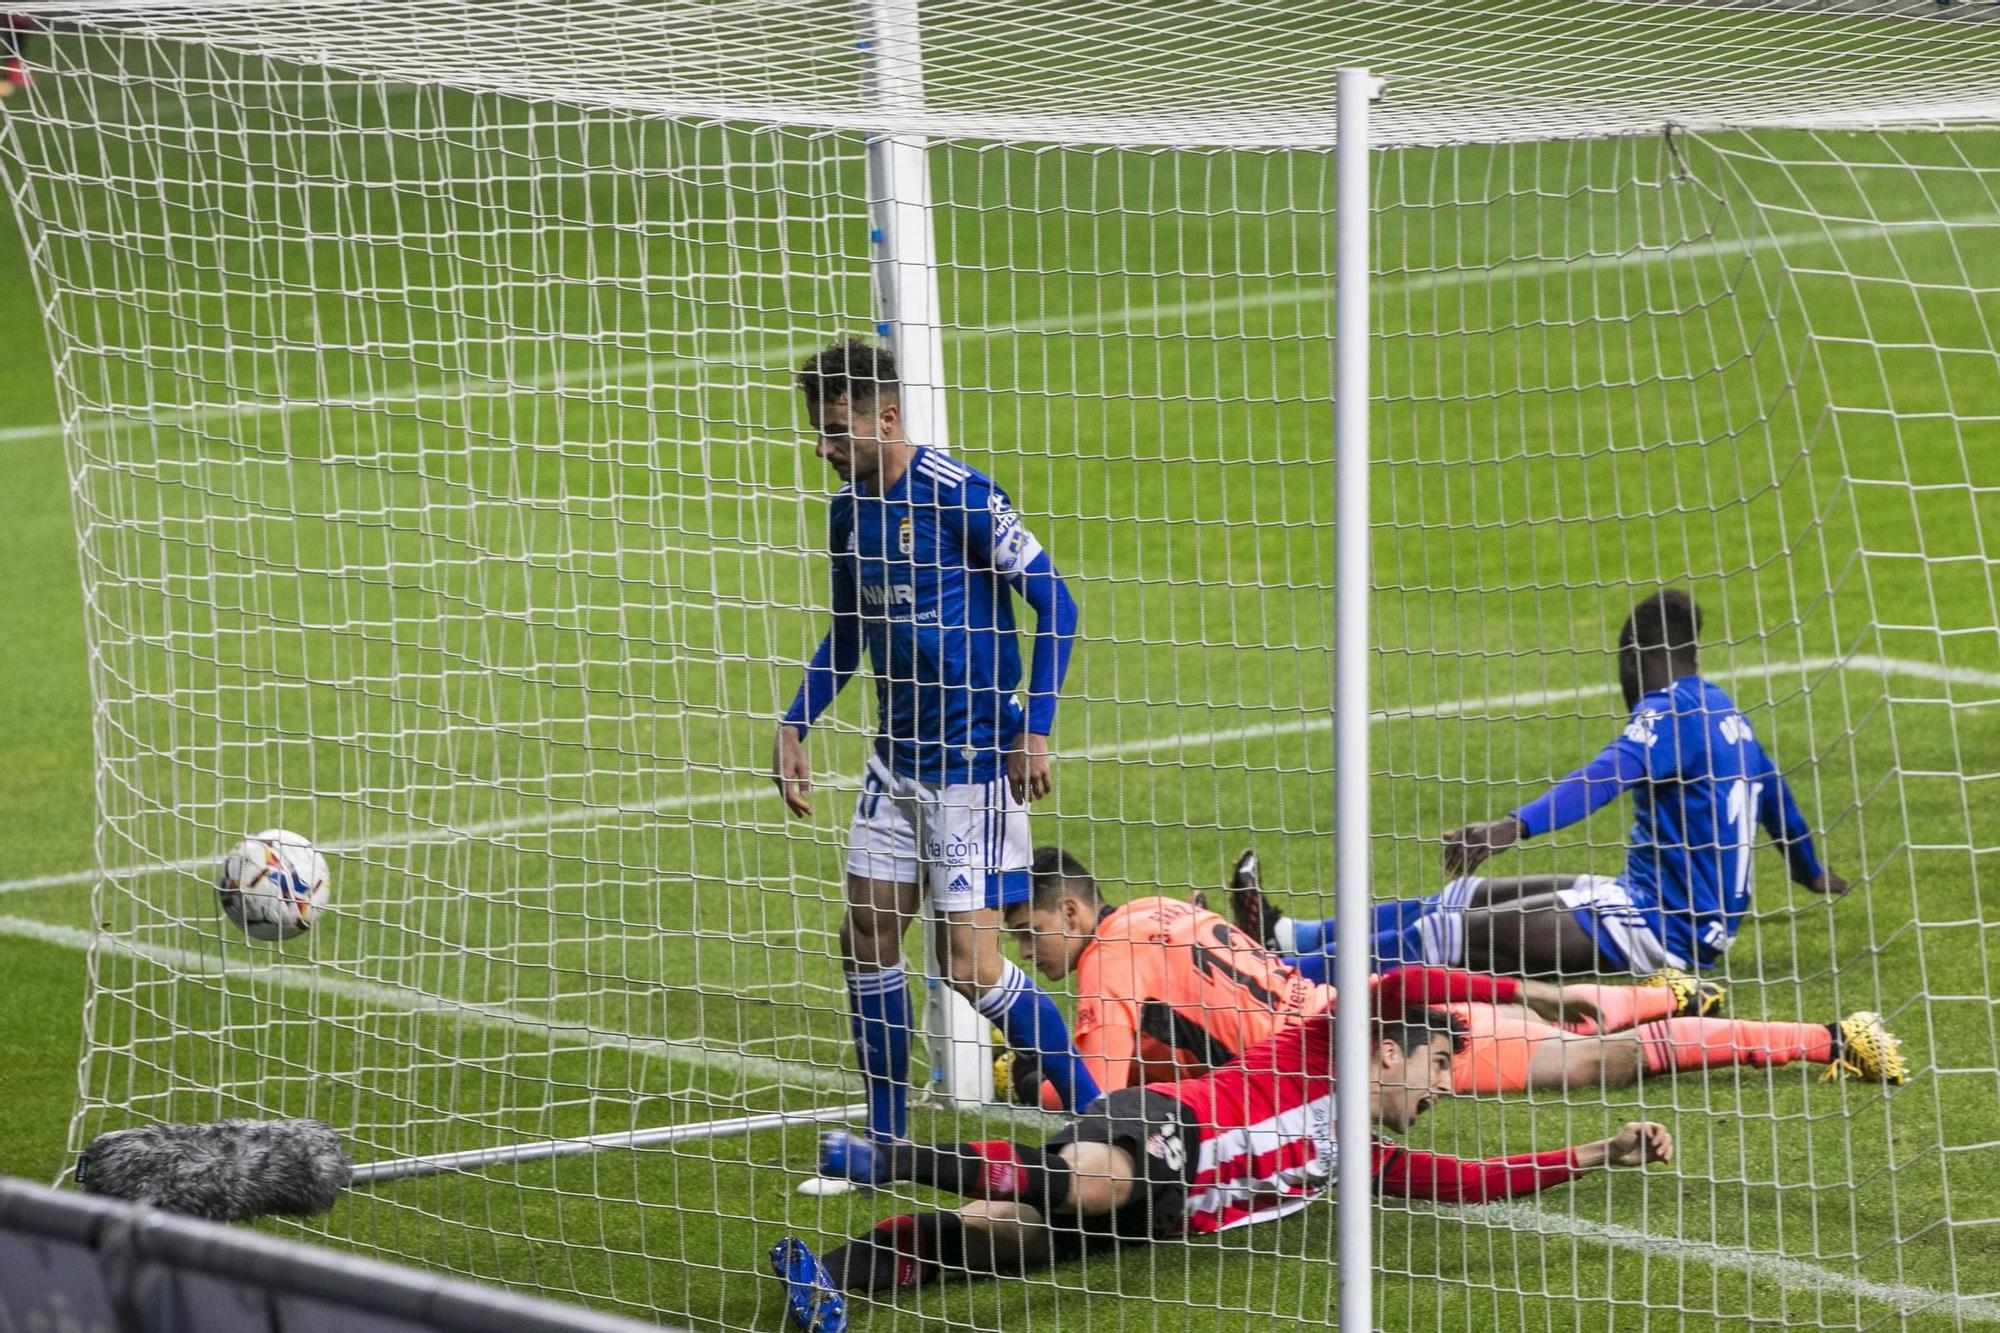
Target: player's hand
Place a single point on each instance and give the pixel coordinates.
(1558, 1004)
(1830, 884)
(1640, 1142)
(792, 771)
(1030, 773)
(1466, 849)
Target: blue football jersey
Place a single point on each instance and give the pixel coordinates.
(1707, 786)
(927, 567)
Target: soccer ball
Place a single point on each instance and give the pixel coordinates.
(272, 884)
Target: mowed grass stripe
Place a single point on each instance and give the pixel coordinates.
(781, 355)
(417, 837)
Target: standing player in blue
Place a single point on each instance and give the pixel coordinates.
(1700, 783)
(927, 556)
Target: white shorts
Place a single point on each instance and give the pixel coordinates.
(1605, 910)
(967, 843)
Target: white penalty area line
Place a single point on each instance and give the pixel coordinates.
(561, 1035)
(780, 356)
(1776, 1270)
(1193, 740)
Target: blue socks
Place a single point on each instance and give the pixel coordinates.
(1404, 930)
(1388, 948)
(1317, 966)
(879, 1004)
(1399, 914)
(1307, 937)
(1391, 918)
(1031, 1022)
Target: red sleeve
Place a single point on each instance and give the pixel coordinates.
(1423, 1175)
(1441, 985)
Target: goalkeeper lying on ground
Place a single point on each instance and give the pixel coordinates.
(1166, 989)
(1175, 1159)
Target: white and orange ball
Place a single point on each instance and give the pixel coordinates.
(273, 885)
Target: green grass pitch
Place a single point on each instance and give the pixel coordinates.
(1602, 366)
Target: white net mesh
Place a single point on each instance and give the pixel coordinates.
(1250, 72)
(440, 492)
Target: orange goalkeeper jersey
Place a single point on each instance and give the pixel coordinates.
(1165, 983)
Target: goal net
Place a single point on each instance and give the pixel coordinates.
(442, 493)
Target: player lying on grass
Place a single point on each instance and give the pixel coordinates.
(1166, 989)
(1247, 1143)
(1701, 785)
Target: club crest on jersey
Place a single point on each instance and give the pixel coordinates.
(906, 535)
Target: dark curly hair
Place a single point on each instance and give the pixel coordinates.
(852, 369)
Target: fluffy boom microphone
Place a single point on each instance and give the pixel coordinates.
(229, 1171)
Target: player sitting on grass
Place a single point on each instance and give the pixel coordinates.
(1173, 1159)
(1166, 989)
(1701, 785)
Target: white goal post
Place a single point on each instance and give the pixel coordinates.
(442, 491)
(912, 323)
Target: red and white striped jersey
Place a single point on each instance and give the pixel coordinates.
(1266, 1129)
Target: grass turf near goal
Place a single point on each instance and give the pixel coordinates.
(484, 556)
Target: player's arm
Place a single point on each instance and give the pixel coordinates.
(1106, 1031)
(1110, 1052)
(1778, 811)
(1582, 793)
(1405, 986)
(1405, 1173)
(996, 539)
(833, 665)
(1449, 985)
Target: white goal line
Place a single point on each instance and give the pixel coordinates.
(584, 814)
(781, 355)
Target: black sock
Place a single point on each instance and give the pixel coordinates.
(883, 1258)
(993, 1169)
(941, 1242)
(900, 1253)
